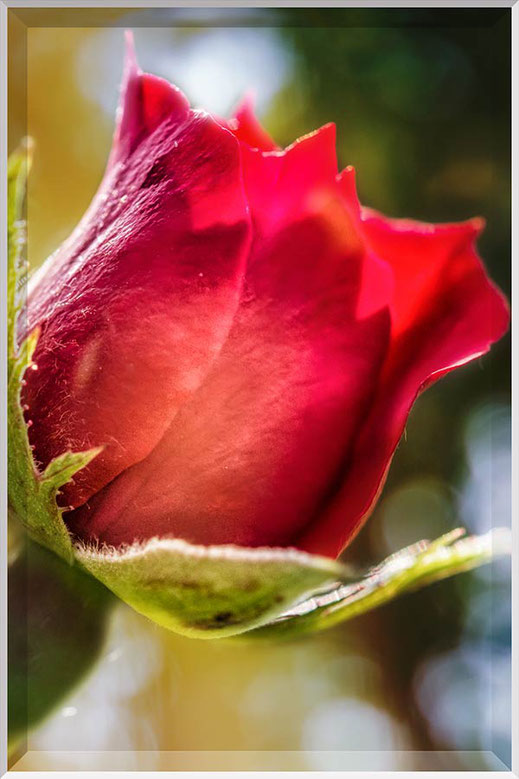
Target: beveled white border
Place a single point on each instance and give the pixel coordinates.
(514, 5)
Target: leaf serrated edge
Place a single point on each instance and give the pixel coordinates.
(22, 469)
(60, 470)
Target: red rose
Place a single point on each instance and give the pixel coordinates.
(242, 337)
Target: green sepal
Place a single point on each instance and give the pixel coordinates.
(57, 619)
(410, 569)
(209, 591)
(32, 495)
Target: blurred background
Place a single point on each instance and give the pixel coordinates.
(421, 100)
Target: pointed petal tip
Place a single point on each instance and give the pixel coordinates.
(246, 103)
(130, 57)
(478, 223)
(346, 178)
(246, 127)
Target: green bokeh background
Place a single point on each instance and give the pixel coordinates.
(421, 100)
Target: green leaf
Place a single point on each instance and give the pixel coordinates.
(209, 591)
(411, 568)
(57, 618)
(32, 495)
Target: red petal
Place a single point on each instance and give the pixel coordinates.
(248, 130)
(146, 100)
(377, 287)
(445, 312)
(250, 457)
(136, 305)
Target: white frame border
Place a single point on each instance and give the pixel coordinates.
(5, 5)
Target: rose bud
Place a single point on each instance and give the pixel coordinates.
(241, 337)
